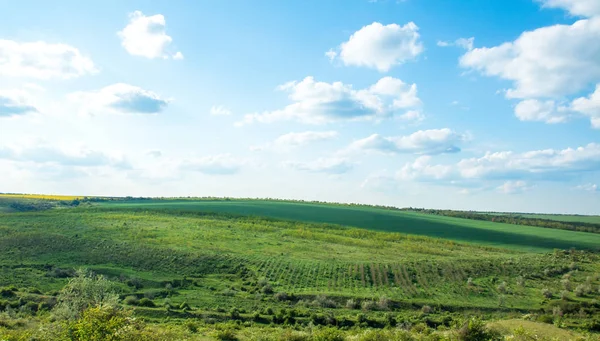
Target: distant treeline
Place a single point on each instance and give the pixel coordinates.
(513, 219)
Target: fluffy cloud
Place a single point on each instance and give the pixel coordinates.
(515, 170)
(380, 46)
(542, 111)
(43, 60)
(145, 36)
(465, 43)
(589, 106)
(548, 62)
(319, 102)
(15, 103)
(434, 141)
(422, 170)
(223, 164)
(42, 153)
(219, 110)
(304, 138)
(513, 187)
(588, 187)
(585, 8)
(120, 98)
(323, 165)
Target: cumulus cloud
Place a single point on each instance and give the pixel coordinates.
(422, 170)
(154, 153)
(465, 43)
(380, 46)
(43, 153)
(434, 141)
(548, 62)
(323, 165)
(589, 106)
(219, 110)
(584, 8)
(15, 103)
(541, 111)
(514, 170)
(513, 187)
(146, 36)
(304, 138)
(222, 164)
(320, 102)
(43, 60)
(120, 98)
(588, 188)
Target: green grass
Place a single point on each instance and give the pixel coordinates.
(591, 219)
(177, 251)
(525, 238)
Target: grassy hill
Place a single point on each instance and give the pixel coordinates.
(264, 265)
(526, 238)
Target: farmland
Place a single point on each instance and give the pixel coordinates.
(252, 268)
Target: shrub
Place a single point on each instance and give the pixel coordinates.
(84, 291)
(521, 281)
(328, 334)
(383, 303)
(226, 334)
(547, 293)
(101, 323)
(564, 295)
(582, 290)
(566, 283)
(281, 296)
(324, 302)
(267, 289)
(131, 300)
(368, 305)
(426, 309)
(352, 304)
(475, 330)
(146, 302)
(502, 287)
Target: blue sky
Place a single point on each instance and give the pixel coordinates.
(487, 105)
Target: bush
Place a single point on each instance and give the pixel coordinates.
(267, 289)
(547, 293)
(475, 330)
(352, 304)
(368, 305)
(84, 291)
(328, 334)
(426, 309)
(502, 287)
(146, 302)
(281, 296)
(131, 300)
(225, 335)
(383, 303)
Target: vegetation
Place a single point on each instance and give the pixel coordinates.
(174, 270)
(572, 223)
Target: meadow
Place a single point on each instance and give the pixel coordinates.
(249, 270)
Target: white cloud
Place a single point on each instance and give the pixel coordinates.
(380, 46)
(549, 164)
(542, 111)
(513, 187)
(422, 170)
(548, 62)
(219, 110)
(146, 36)
(15, 103)
(515, 170)
(585, 8)
(412, 115)
(43, 60)
(77, 156)
(589, 106)
(323, 165)
(588, 187)
(465, 43)
(434, 141)
(154, 153)
(304, 138)
(319, 102)
(222, 164)
(120, 98)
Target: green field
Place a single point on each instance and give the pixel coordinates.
(525, 238)
(270, 268)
